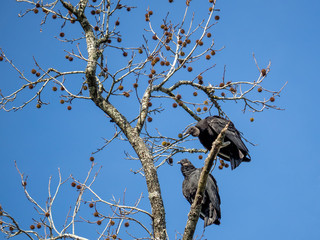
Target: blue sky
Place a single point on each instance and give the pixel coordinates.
(274, 196)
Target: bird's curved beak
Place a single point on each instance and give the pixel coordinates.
(193, 131)
(185, 133)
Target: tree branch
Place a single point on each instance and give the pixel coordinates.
(145, 156)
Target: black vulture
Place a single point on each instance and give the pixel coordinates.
(233, 150)
(210, 210)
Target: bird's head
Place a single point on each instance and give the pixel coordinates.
(185, 162)
(186, 167)
(194, 131)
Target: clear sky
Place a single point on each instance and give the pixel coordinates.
(276, 196)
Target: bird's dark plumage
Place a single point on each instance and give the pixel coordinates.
(210, 210)
(208, 130)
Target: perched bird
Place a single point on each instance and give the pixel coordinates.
(233, 148)
(210, 210)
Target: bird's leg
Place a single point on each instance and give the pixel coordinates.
(241, 155)
(224, 144)
(226, 156)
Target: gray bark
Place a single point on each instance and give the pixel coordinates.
(132, 134)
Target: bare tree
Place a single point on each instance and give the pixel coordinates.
(164, 52)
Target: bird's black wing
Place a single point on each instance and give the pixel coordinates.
(190, 185)
(212, 193)
(218, 123)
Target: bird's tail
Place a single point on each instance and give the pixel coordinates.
(235, 163)
(247, 158)
(211, 220)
